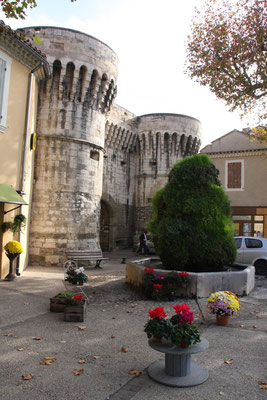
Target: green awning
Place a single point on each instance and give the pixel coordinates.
(9, 195)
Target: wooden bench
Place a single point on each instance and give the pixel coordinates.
(86, 255)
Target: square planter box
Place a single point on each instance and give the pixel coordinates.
(57, 304)
(74, 313)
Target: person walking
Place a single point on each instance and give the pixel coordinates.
(142, 245)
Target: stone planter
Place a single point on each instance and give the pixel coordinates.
(74, 313)
(202, 284)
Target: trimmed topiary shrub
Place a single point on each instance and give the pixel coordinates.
(191, 221)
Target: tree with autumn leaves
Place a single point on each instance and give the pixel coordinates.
(17, 8)
(226, 51)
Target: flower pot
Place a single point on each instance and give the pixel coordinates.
(157, 339)
(183, 285)
(80, 283)
(183, 344)
(222, 320)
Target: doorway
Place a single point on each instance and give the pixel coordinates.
(104, 226)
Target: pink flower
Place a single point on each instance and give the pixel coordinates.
(186, 317)
(157, 286)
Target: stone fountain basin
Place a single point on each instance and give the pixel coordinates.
(202, 284)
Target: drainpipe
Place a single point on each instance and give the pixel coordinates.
(25, 145)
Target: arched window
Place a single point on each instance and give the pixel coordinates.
(56, 77)
(80, 83)
(68, 81)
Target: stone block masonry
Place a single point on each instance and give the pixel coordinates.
(97, 164)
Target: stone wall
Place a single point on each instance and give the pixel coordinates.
(98, 165)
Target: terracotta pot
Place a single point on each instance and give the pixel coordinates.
(79, 283)
(157, 339)
(183, 285)
(222, 320)
(183, 344)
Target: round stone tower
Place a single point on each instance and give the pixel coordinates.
(70, 146)
(162, 139)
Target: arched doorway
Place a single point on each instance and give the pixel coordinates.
(104, 227)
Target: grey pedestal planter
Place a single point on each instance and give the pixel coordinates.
(177, 369)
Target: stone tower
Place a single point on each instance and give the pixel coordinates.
(97, 165)
(70, 147)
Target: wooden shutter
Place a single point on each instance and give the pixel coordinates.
(234, 175)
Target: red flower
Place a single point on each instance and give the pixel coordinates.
(181, 308)
(160, 277)
(157, 286)
(157, 312)
(149, 270)
(184, 273)
(78, 297)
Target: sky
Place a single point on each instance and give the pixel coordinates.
(149, 38)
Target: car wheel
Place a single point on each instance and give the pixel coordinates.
(260, 267)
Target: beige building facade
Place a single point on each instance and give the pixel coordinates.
(242, 164)
(21, 69)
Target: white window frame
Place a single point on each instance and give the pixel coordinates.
(226, 176)
(5, 91)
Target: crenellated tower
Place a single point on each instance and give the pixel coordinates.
(71, 132)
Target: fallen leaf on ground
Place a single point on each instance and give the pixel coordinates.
(112, 337)
(254, 327)
(221, 393)
(25, 303)
(103, 310)
(27, 377)
(229, 361)
(113, 318)
(9, 334)
(129, 311)
(81, 362)
(135, 372)
(96, 357)
(262, 385)
(37, 338)
(78, 371)
(62, 341)
(241, 326)
(48, 360)
(197, 315)
(81, 328)
(259, 316)
(20, 349)
(124, 349)
(132, 305)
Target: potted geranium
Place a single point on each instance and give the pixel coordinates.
(76, 276)
(223, 304)
(183, 278)
(157, 326)
(182, 332)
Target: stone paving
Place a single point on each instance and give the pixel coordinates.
(114, 319)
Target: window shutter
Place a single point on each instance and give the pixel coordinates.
(2, 82)
(234, 175)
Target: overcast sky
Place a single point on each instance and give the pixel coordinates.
(149, 38)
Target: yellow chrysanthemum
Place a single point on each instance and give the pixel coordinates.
(13, 247)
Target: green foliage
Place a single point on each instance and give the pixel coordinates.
(158, 327)
(18, 223)
(65, 295)
(171, 284)
(191, 221)
(17, 8)
(189, 333)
